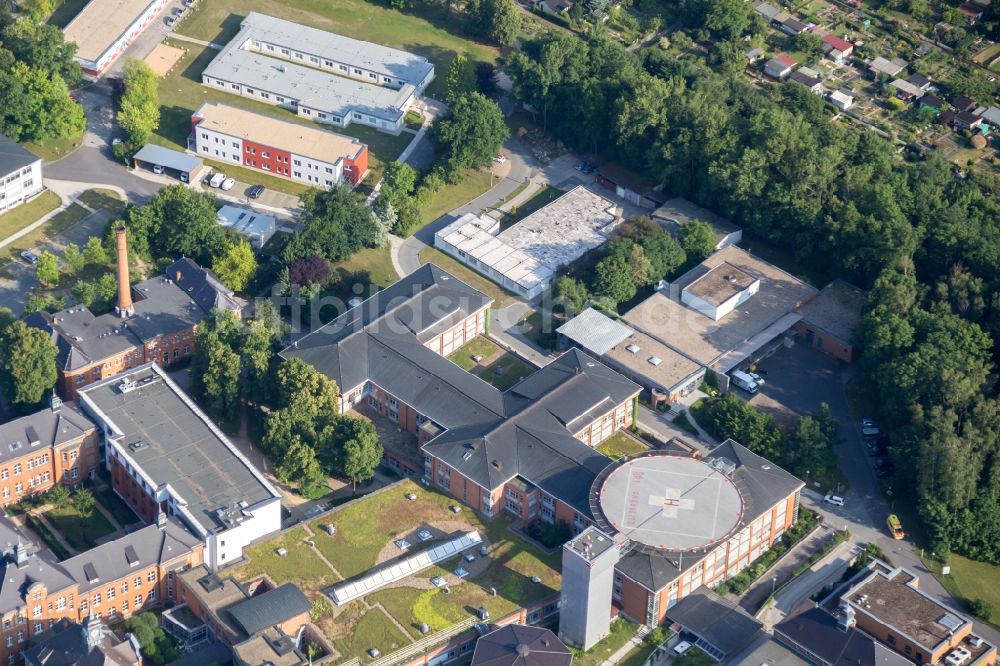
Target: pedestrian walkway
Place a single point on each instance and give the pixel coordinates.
(192, 40)
(632, 643)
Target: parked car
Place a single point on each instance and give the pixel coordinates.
(170, 20)
(868, 422)
(871, 433)
(30, 257)
(228, 184)
(157, 168)
(834, 500)
(217, 179)
(586, 167)
(895, 527)
(255, 191)
(757, 378)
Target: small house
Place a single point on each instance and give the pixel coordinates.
(905, 91)
(553, 7)
(792, 26)
(919, 81)
(779, 67)
(962, 103)
(812, 83)
(837, 49)
(946, 117)
(991, 116)
(881, 66)
(931, 102)
(754, 54)
(966, 120)
(972, 12)
(768, 11)
(841, 100)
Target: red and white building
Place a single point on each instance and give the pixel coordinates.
(104, 28)
(289, 150)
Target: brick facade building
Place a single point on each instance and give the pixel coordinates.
(55, 445)
(154, 320)
(111, 581)
(528, 451)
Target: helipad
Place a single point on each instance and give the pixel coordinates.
(671, 503)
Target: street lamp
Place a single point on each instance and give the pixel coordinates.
(774, 581)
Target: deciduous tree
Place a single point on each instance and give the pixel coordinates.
(236, 266)
(472, 134)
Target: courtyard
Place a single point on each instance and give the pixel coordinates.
(500, 368)
(390, 618)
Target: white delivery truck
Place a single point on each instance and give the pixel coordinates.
(744, 381)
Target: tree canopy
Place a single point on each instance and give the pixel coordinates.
(472, 134)
(27, 363)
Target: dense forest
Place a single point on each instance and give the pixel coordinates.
(919, 233)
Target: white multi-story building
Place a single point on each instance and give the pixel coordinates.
(20, 174)
(165, 456)
(287, 149)
(104, 28)
(340, 81)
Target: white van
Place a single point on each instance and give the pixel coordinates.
(744, 381)
(217, 179)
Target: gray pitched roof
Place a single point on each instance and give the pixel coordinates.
(716, 620)
(65, 644)
(203, 286)
(817, 632)
(161, 308)
(13, 156)
(133, 552)
(491, 436)
(762, 485)
(270, 608)
(43, 429)
(520, 645)
(836, 309)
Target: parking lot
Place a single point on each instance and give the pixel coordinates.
(797, 381)
(269, 197)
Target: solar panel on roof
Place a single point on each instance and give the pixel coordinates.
(950, 622)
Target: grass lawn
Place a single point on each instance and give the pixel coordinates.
(694, 657)
(682, 422)
(465, 274)
(505, 371)
(970, 580)
(374, 629)
(367, 266)
(429, 31)
(18, 218)
(299, 566)
(450, 197)
(181, 93)
(116, 505)
(81, 532)
(621, 631)
(369, 525)
(59, 222)
(50, 540)
(66, 12)
(54, 149)
(107, 199)
(541, 198)
(620, 444)
(479, 346)
(637, 656)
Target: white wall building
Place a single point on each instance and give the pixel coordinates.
(720, 291)
(255, 227)
(20, 174)
(104, 28)
(262, 62)
(166, 456)
(287, 149)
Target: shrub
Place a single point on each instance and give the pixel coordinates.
(981, 609)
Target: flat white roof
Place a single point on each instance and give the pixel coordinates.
(100, 23)
(244, 220)
(282, 134)
(384, 60)
(594, 331)
(313, 88)
(565, 229)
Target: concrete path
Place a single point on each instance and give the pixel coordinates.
(39, 513)
(200, 42)
(632, 643)
(659, 424)
(826, 571)
(34, 225)
(780, 572)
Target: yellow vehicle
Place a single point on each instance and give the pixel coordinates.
(895, 527)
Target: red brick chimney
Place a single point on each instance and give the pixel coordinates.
(124, 308)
